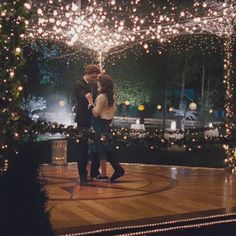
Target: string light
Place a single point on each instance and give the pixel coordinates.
(228, 81)
(230, 160)
(104, 27)
(166, 223)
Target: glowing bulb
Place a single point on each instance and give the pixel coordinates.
(40, 30)
(18, 50)
(141, 107)
(193, 106)
(74, 7)
(197, 19)
(27, 6)
(61, 103)
(39, 11)
(12, 74)
(20, 88)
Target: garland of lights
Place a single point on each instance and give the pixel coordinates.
(230, 150)
(191, 139)
(230, 160)
(228, 81)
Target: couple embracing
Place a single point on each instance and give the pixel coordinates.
(95, 108)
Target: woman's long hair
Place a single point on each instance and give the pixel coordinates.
(107, 87)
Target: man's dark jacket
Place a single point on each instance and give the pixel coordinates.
(83, 114)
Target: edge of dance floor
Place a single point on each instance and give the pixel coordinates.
(169, 166)
(152, 225)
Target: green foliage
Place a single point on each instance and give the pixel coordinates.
(11, 76)
(135, 77)
(22, 202)
(130, 90)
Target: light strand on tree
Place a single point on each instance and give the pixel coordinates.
(12, 25)
(228, 81)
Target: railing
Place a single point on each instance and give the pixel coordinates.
(122, 121)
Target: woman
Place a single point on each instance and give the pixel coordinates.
(103, 110)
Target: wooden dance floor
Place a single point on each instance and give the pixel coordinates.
(146, 194)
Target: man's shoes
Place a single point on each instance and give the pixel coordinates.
(91, 179)
(117, 174)
(101, 178)
(83, 180)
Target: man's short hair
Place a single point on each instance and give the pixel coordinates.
(91, 68)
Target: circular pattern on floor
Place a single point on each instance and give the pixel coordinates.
(62, 183)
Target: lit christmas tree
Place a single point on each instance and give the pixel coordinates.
(23, 208)
(12, 27)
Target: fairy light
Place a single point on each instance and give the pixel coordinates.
(12, 74)
(127, 102)
(211, 111)
(20, 88)
(18, 50)
(95, 29)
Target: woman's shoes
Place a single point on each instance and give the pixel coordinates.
(101, 178)
(117, 174)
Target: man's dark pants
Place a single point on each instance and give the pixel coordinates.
(82, 157)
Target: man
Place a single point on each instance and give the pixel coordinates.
(83, 117)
